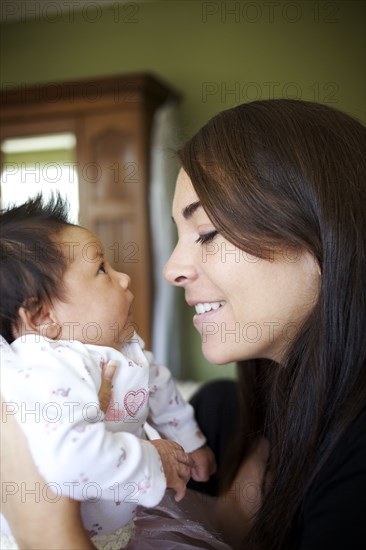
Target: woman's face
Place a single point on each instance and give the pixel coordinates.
(245, 307)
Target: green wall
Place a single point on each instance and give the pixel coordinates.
(217, 54)
(320, 55)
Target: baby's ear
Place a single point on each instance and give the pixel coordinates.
(38, 318)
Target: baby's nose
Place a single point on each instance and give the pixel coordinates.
(125, 280)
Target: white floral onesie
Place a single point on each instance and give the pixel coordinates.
(101, 459)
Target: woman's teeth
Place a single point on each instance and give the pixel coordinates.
(205, 306)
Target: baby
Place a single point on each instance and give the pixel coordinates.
(65, 317)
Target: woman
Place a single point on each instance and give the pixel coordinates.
(270, 212)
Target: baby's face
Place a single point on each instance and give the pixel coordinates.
(97, 306)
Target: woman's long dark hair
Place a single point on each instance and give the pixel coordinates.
(293, 173)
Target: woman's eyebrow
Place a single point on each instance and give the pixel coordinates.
(189, 210)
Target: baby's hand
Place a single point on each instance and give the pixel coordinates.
(204, 463)
(176, 464)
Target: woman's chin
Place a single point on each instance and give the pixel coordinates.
(217, 355)
(221, 354)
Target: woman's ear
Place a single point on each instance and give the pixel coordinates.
(39, 319)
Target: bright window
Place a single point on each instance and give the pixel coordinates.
(40, 164)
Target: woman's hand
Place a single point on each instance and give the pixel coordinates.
(204, 463)
(105, 391)
(237, 506)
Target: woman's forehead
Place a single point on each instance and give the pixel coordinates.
(184, 193)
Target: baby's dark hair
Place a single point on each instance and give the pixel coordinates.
(31, 262)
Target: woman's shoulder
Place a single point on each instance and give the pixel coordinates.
(335, 506)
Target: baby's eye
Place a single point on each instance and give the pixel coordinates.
(207, 237)
(102, 269)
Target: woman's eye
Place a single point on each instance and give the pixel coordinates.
(102, 269)
(207, 237)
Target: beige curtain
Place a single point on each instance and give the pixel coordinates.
(167, 303)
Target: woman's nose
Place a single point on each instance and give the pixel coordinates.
(179, 270)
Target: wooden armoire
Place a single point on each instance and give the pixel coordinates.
(112, 120)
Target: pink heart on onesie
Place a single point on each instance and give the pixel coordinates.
(134, 400)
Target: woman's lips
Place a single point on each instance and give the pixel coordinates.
(207, 316)
(202, 307)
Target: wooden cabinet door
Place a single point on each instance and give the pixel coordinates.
(112, 131)
(113, 188)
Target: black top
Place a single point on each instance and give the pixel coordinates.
(334, 514)
(334, 511)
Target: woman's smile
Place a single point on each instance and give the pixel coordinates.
(207, 311)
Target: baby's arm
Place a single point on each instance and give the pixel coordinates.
(174, 418)
(56, 402)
